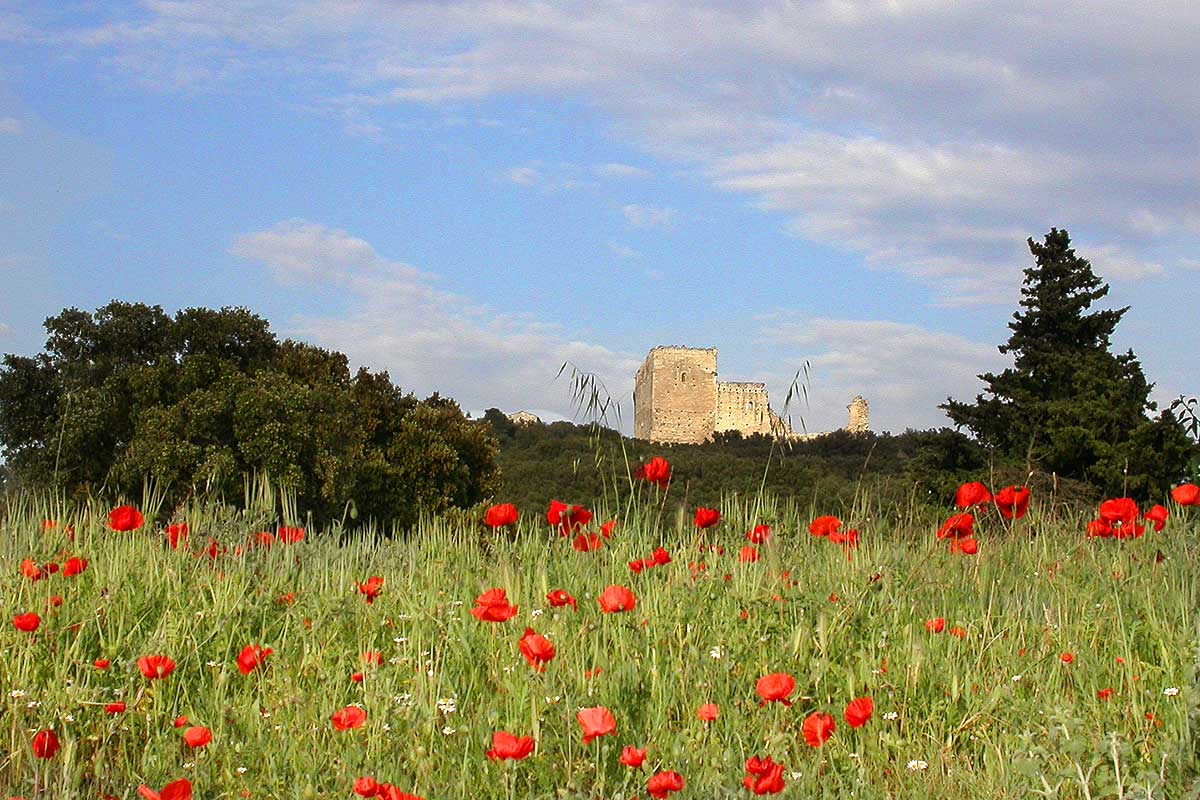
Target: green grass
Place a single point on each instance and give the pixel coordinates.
(993, 714)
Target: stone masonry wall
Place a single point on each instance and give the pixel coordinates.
(860, 415)
(677, 399)
(675, 395)
(743, 407)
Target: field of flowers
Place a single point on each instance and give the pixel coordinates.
(1008, 648)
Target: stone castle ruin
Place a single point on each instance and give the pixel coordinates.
(677, 399)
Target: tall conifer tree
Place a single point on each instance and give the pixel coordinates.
(1068, 403)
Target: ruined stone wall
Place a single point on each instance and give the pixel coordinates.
(675, 395)
(860, 415)
(743, 407)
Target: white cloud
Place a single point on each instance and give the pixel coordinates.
(5, 330)
(524, 176)
(1111, 261)
(619, 171)
(11, 126)
(623, 251)
(639, 216)
(904, 371)
(928, 136)
(428, 339)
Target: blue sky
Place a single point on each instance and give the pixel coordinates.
(469, 193)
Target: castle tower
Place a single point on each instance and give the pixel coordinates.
(860, 415)
(675, 395)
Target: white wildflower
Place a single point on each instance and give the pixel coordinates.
(537, 612)
(241, 770)
(891, 715)
(400, 639)
(448, 731)
(1171, 691)
(918, 764)
(16, 693)
(447, 705)
(717, 653)
(1016, 678)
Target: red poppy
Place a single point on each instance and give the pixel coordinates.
(636, 565)
(587, 542)
(631, 756)
(1186, 494)
(748, 555)
(935, 625)
(373, 657)
(27, 622)
(1158, 515)
(567, 519)
(616, 598)
(759, 534)
(708, 712)
(290, 535)
(31, 570)
(101, 663)
(656, 471)
(537, 649)
(958, 526)
(49, 524)
(197, 736)
(1105, 694)
(607, 528)
(492, 606)
(371, 589)
(1121, 514)
(154, 667)
(115, 708)
(706, 517)
(763, 776)
(252, 656)
(349, 717)
(45, 744)
(73, 566)
(659, 557)
(849, 538)
(366, 787)
(559, 597)
(214, 549)
(858, 711)
(971, 494)
(1013, 501)
(1119, 510)
(966, 546)
(500, 516)
(662, 784)
(595, 722)
(958, 632)
(389, 792)
(356, 677)
(817, 728)
(175, 533)
(823, 526)
(180, 721)
(775, 688)
(1099, 528)
(125, 518)
(176, 790)
(1066, 658)
(505, 745)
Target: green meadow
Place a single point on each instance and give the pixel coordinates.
(987, 708)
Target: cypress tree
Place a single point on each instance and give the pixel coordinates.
(1068, 404)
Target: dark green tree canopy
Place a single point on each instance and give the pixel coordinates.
(201, 398)
(1068, 403)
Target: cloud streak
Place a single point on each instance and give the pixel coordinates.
(428, 339)
(929, 136)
